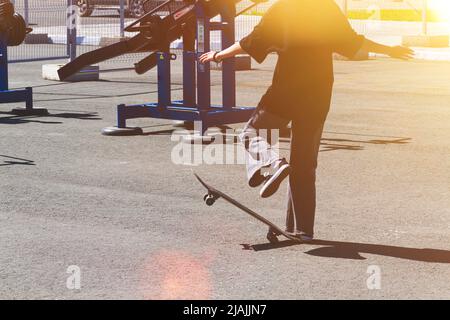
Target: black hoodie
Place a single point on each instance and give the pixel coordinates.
(304, 34)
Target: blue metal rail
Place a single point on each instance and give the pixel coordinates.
(15, 95)
(196, 103)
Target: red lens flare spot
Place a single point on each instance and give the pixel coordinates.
(176, 275)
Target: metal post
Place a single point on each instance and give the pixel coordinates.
(72, 19)
(29, 99)
(3, 65)
(164, 86)
(203, 70)
(121, 119)
(425, 17)
(122, 18)
(26, 12)
(189, 64)
(228, 65)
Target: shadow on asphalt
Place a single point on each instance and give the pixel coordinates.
(222, 129)
(335, 147)
(353, 250)
(167, 132)
(79, 116)
(337, 143)
(14, 119)
(11, 161)
(88, 96)
(328, 144)
(136, 82)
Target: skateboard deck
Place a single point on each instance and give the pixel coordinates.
(214, 194)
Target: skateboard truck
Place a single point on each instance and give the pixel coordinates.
(274, 231)
(272, 235)
(210, 199)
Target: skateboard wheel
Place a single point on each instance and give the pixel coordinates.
(209, 199)
(272, 237)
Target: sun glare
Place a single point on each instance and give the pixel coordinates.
(442, 7)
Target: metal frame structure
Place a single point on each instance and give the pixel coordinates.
(196, 103)
(15, 95)
(191, 20)
(30, 10)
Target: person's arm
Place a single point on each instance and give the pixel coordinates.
(218, 56)
(265, 38)
(398, 52)
(347, 42)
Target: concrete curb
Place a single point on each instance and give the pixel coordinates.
(37, 38)
(89, 73)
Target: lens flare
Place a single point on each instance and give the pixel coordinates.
(177, 275)
(441, 7)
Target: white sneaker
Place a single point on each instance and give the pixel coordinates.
(273, 182)
(301, 235)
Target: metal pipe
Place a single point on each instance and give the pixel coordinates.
(72, 16)
(26, 12)
(122, 18)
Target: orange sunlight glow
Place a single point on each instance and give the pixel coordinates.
(169, 275)
(442, 7)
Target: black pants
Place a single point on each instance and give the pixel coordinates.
(305, 144)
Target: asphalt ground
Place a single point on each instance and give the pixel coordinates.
(135, 225)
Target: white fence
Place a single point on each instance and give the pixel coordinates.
(49, 21)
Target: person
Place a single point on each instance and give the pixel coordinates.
(304, 34)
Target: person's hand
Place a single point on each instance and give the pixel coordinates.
(208, 57)
(400, 52)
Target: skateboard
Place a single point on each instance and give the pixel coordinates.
(213, 195)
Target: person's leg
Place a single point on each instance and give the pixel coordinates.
(259, 154)
(290, 216)
(256, 138)
(305, 146)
